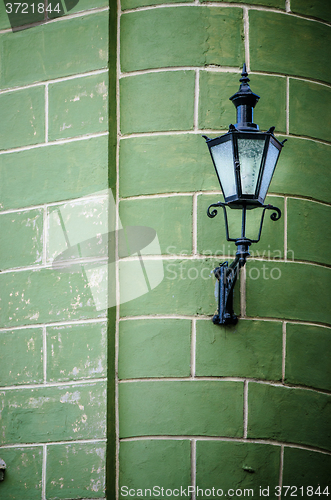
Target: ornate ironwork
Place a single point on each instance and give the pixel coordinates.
(227, 274)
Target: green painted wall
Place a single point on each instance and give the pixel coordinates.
(244, 406)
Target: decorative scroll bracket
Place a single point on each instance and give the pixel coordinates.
(227, 274)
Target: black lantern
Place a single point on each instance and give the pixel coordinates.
(245, 160)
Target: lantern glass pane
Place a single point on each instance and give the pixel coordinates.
(269, 167)
(250, 155)
(223, 159)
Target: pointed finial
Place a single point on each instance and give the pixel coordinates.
(245, 100)
(244, 75)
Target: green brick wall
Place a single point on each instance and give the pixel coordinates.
(151, 392)
(56, 160)
(244, 406)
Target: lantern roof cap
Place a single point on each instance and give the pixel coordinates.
(244, 96)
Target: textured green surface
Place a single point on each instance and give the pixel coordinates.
(307, 221)
(157, 102)
(170, 217)
(54, 413)
(193, 408)
(76, 470)
(181, 36)
(291, 296)
(306, 468)
(51, 50)
(302, 46)
(76, 351)
(292, 415)
(313, 8)
(30, 297)
(313, 100)
(308, 351)
(187, 288)
(144, 464)
(249, 349)
(132, 4)
(303, 169)
(165, 164)
(216, 111)
(154, 348)
(21, 236)
(237, 465)
(23, 118)
(23, 473)
(212, 237)
(21, 357)
(53, 173)
(78, 107)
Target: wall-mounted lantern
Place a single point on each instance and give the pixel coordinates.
(244, 160)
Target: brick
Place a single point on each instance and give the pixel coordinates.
(23, 473)
(23, 118)
(21, 238)
(24, 15)
(181, 36)
(144, 464)
(54, 50)
(78, 107)
(21, 357)
(154, 348)
(313, 100)
(54, 414)
(76, 470)
(76, 351)
(187, 288)
(157, 102)
(306, 222)
(165, 164)
(181, 408)
(216, 111)
(302, 43)
(289, 290)
(81, 6)
(292, 415)
(79, 222)
(308, 350)
(132, 4)
(30, 297)
(249, 349)
(227, 465)
(306, 468)
(171, 218)
(212, 235)
(318, 8)
(53, 173)
(303, 169)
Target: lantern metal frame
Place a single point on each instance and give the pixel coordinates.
(226, 275)
(234, 135)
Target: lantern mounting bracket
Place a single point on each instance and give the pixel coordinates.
(226, 274)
